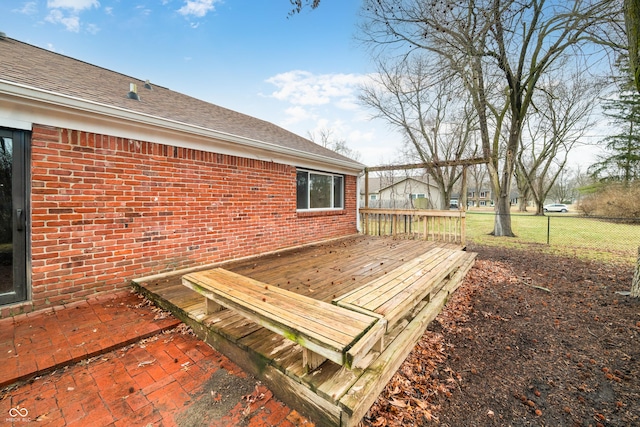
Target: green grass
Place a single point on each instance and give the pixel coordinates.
(574, 236)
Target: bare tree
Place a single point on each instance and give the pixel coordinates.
(436, 123)
(298, 5)
(564, 189)
(581, 183)
(327, 140)
(498, 50)
(524, 189)
(560, 115)
(478, 176)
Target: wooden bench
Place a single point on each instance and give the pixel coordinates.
(394, 295)
(325, 331)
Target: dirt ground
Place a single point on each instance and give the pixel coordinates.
(528, 340)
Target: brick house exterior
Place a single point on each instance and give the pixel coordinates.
(120, 188)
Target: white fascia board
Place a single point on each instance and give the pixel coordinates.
(22, 106)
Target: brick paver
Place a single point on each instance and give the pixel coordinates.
(170, 378)
(152, 382)
(46, 340)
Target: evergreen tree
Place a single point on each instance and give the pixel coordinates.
(622, 161)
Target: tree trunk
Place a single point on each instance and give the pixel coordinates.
(462, 202)
(444, 199)
(502, 224)
(635, 285)
(522, 203)
(631, 17)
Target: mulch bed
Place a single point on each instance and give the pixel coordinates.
(529, 339)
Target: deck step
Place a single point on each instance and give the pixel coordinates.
(396, 293)
(357, 401)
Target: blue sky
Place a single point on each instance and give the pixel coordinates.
(300, 72)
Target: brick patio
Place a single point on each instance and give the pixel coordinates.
(115, 361)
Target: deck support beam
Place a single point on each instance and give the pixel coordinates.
(210, 306)
(311, 360)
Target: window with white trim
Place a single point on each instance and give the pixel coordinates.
(319, 190)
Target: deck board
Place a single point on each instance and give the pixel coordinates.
(322, 272)
(334, 270)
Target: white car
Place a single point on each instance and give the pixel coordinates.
(556, 207)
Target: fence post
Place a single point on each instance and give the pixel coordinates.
(635, 285)
(548, 228)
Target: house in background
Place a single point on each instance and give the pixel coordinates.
(475, 199)
(479, 198)
(404, 192)
(113, 177)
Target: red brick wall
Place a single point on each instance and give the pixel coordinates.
(106, 210)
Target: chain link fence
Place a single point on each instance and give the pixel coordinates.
(613, 238)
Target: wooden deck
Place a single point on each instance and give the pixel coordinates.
(330, 395)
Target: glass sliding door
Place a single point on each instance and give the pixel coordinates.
(14, 213)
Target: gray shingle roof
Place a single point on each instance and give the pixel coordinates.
(39, 68)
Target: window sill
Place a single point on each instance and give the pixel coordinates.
(310, 214)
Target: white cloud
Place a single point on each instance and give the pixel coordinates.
(198, 8)
(144, 11)
(360, 136)
(108, 10)
(93, 29)
(348, 103)
(67, 13)
(29, 8)
(71, 22)
(305, 88)
(315, 103)
(76, 5)
(341, 129)
(297, 114)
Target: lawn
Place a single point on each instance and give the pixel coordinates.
(570, 235)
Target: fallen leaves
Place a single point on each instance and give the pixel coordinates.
(398, 403)
(571, 354)
(408, 397)
(256, 398)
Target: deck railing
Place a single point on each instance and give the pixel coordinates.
(439, 226)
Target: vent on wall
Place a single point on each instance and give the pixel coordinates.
(3, 36)
(133, 92)
(147, 85)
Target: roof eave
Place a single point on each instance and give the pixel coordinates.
(66, 102)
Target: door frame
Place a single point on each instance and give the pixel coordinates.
(21, 215)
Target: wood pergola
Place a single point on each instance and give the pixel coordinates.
(464, 163)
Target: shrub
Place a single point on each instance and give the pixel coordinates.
(614, 200)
